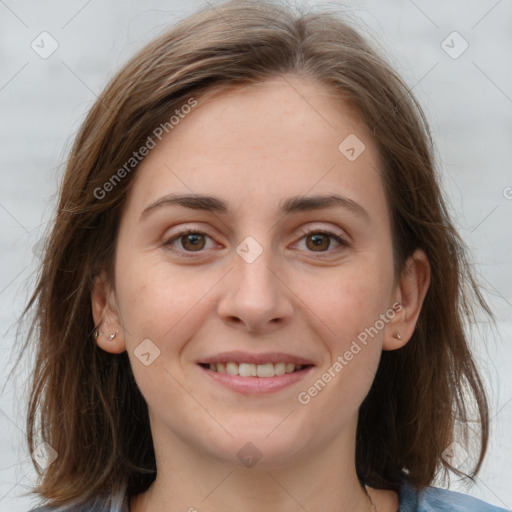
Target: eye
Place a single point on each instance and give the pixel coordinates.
(189, 241)
(321, 241)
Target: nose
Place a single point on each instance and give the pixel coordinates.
(255, 297)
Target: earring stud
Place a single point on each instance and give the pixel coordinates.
(397, 336)
(96, 333)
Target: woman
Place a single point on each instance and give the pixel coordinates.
(253, 297)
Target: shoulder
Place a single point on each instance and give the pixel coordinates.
(115, 502)
(432, 499)
(63, 508)
(109, 505)
(83, 508)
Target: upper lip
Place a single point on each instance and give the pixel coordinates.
(251, 358)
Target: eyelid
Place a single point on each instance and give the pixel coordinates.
(308, 229)
(183, 231)
(336, 233)
(340, 237)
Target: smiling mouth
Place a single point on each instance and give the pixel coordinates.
(254, 370)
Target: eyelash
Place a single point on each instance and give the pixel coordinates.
(343, 242)
(181, 234)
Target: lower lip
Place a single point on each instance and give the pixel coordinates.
(257, 385)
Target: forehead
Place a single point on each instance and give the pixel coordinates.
(257, 143)
(275, 116)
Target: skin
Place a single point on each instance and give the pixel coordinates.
(255, 147)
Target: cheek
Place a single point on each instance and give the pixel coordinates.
(154, 297)
(349, 304)
(164, 305)
(349, 300)
(161, 311)
(351, 307)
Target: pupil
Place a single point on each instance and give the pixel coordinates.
(320, 241)
(193, 241)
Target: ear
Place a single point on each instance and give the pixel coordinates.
(408, 297)
(110, 334)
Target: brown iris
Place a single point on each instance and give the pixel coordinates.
(193, 241)
(319, 241)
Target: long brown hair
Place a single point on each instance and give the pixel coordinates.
(84, 401)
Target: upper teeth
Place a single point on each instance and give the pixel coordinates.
(255, 370)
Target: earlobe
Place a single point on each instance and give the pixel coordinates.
(410, 294)
(107, 334)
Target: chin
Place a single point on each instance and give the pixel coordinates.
(265, 447)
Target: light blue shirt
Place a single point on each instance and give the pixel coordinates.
(433, 499)
(430, 499)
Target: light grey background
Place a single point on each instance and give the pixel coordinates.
(468, 101)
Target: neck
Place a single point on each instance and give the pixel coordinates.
(190, 481)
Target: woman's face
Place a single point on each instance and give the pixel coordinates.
(288, 262)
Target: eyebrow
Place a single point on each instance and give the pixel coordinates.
(291, 205)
